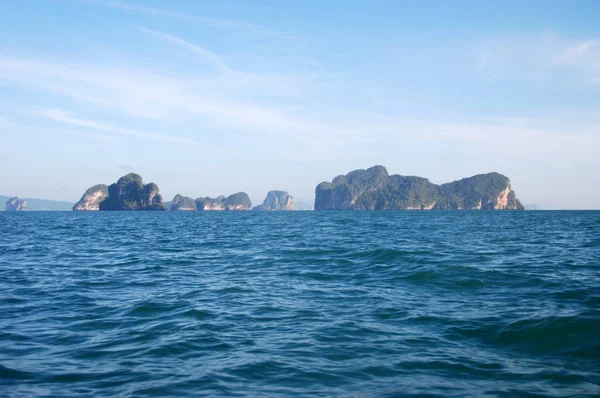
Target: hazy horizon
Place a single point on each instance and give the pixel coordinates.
(212, 98)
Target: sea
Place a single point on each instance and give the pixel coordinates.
(300, 304)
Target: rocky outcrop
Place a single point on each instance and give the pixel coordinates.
(237, 201)
(182, 203)
(375, 189)
(276, 201)
(90, 201)
(16, 204)
(130, 193)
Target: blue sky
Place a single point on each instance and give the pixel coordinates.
(214, 97)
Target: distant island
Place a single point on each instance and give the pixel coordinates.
(375, 189)
(370, 189)
(34, 204)
(16, 204)
(237, 201)
(275, 201)
(128, 193)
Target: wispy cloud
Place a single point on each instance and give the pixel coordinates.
(87, 135)
(221, 23)
(144, 9)
(207, 55)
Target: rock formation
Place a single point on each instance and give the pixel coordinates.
(237, 201)
(130, 193)
(277, 201)
(375, 189)
(90, 201)
(16, 204)
(182, 203)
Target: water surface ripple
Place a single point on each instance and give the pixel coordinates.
(352, 304)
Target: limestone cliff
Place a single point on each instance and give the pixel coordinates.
(16, 204)
(130, 193)
(90, 201)
(237, 201)
(375, 189)
(276, 201)
(183, 203)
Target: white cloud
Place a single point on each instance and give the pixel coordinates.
(143, 9)
(222, 23)
(207, 55)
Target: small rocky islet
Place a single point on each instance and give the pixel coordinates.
(370, 189)
(237, 201)
(16, 204)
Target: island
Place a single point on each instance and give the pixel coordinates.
(375, 189)
(128, 193)
(90, 201)
(182, 203)
(237, 201)
(276, 201)
(16, 204)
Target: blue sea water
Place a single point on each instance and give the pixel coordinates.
(349, 304)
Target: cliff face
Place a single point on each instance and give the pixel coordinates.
(16, 204)
(130, 193)
(276, 201)
(183, 203)
(237, 201)
(375, 189)
(90, 201)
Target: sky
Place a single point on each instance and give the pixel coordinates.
(208, 98)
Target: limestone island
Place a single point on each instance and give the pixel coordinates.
(235, 202)
(129, 193)
(16, 204)
(276, 201)
(375, 189)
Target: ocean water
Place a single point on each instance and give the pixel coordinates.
(349, 304)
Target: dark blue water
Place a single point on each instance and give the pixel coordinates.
(308, 304)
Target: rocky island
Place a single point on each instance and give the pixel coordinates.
(276, 201)
(16, 204)
(182, 203)
(237, 201)
(375, 189)
(90, 201)
(128, 193)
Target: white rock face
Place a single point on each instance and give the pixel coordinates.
(277, 201)
(90, 201)
(502, 199)
(16, 204)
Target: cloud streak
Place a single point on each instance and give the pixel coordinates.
(210, 57)
(220, 23)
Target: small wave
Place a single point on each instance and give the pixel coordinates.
(8, 373)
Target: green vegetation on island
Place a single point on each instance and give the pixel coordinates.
(128, 193)
(237, 201)
(182, 203)
(375, 189)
